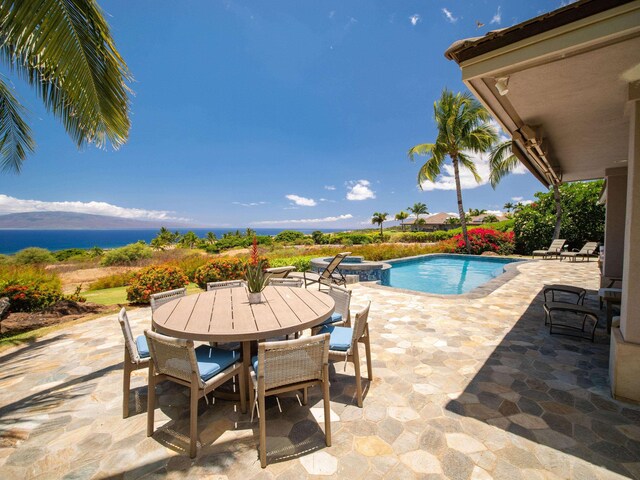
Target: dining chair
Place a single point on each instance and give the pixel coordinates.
(226, 284)
(342, 298)
(158, 299)
(343, 345)
(136, 357)
(202, 369)
(287, 366)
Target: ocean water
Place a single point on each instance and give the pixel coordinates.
(446, 274)
(13, 240)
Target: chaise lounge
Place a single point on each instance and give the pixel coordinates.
(587, 252)
(553, 251)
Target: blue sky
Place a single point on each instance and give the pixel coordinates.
(269, 114)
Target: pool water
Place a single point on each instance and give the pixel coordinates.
(445, 274)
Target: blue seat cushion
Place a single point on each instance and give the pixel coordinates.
(334, 318)
(143, 348)
(212, 360)
(340, 337)
(254, 363)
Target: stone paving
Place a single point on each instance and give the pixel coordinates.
(464, 388)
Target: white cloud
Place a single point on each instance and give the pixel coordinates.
(16, 205)
(497, 18)
(329, 187)
(302, 201)
(250, 204)
(449, 16)
(415, 19)
(305, 220)
(517, 199)
(359, 190)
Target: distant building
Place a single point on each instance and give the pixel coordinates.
(479, 219)
(431, 223)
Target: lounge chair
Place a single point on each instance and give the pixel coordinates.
(553, 309)
(280, 272)
(553, 251)
(587, 252)
(330, 275)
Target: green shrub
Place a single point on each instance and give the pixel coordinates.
(154, 279)
(112, 281)
(29, 288)
(71, 253)
(302, 263)
(422, 237)
(4, 259)
(33, 255)
(127, 255)
(319, 238)
(221, 269)
(582, 218)
(289, 236)
(190, 264)
(353, 238)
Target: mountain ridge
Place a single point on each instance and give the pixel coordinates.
(79, 221)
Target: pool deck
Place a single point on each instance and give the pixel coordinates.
(464, 388)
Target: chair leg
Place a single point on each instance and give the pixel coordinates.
(305, 395)
(243, 391)
(367, 349)
(193, 420)
(126, 387)
(327, 407)
(151, 400)
(262, 420)
(356, 364)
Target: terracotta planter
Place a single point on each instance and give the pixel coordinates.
(255, 297)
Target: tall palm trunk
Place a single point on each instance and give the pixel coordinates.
(381, 230)
(557, 200)
(463, 220)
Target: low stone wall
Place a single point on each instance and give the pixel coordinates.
(365, 270)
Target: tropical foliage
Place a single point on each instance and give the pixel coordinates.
(483, 240)
(64, 49)
(155, 279)
(127, 255)
(582, 219)
(378, 219)
(29, 288)
(463, 129)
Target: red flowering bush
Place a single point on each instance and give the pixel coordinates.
(483, 240)
(222, 269)
(154, 279)
(29, 288)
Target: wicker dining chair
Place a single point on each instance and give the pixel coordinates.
(286, 282)
(342, 298)
(227, 284)
(287, 366)
(202, 369)
(343, 345)
(136, 357)
(158, 299)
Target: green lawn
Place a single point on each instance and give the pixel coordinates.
(118, 295)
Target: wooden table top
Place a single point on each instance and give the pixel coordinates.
(225, 315)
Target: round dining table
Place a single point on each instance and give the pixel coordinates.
(225, 315)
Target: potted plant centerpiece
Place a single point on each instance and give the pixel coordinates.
(256, 277)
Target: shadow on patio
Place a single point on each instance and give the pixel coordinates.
(554, 390)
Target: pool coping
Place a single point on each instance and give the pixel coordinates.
(511, 271)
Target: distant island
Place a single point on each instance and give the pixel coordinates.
(79, 221)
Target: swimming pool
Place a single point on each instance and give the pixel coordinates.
(445, 274)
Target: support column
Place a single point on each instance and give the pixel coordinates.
(614, 226)
(624, 363)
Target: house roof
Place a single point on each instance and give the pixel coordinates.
(569, 75)
(435, 219)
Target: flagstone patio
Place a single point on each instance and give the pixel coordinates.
(464, 388)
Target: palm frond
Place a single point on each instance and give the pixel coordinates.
(65, 50)
(467, 163)
(430, 170)
(15, 135)
(422, 149)
(502, 161)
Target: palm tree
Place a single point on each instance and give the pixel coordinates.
(474, 212)
(508, 207)
(418, 209)
(401, 217)
(378, 218)
(211, 238)
(502, 161)
(65, 51)
(462, 128)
